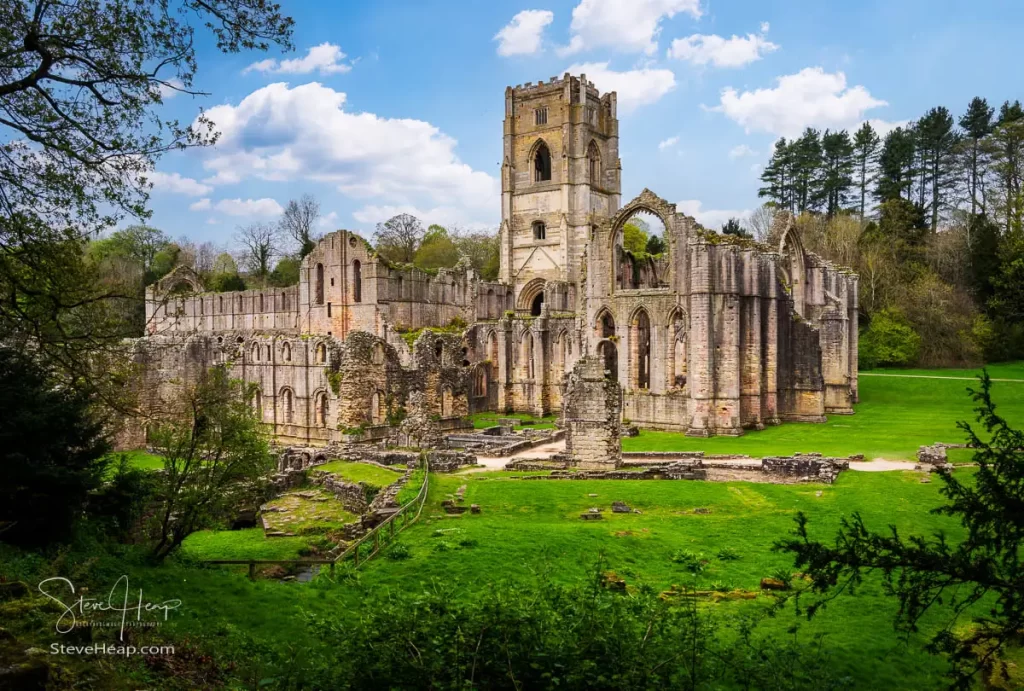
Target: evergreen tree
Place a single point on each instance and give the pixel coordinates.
(896, 166)
(837, 170)
(807, 164)
(865, 156)
(937, 141)
(985, 262)
(733, 227)
(977, 124)
(777, 176)
(1006, 146)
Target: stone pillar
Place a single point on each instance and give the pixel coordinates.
(727, 344)
(592, 415)
(700, 351)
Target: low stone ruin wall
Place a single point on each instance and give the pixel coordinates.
(500, 442)
(350, 494)
(449, 461)
(933, 458)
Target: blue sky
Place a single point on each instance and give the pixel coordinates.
(397, 105)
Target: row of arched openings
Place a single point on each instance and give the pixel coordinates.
(286, 401)
(258, 353)
(357, 283)
(640, 350)
(542, 162)
(238, 301)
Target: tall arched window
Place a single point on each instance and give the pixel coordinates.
(357, 281)
(607, 325)
(641, 350)
(542, 163)
(319, 284)
(376, 409)
(321, 353)
(322, 408)
(287, 411)
(528, 354)
(201, 309)
(222, 304)
(257, 404)
(491, 308)
(594, 162)
(610, 355)
(540, 231)
(492, 354)
(255, 352)
(286, 352)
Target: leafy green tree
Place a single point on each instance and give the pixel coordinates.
(985, 258)
(215, 453)
(286, 272)
(634, 237)
(51, 452)
(164, 262)
(224, 276)
(896, 165)
(937, 141)
(865, 157)
(81, 128)
(889, 340)
(837, 170)
(656, 245)
(138, 243)
(733, 227)
(482, 250)
(977, 125)
(1007, 301)
(437, 250)
(980, 578)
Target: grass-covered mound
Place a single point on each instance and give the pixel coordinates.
(899, 412)
(250, 543)
(354, 471)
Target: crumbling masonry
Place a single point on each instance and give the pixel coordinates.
(714, 336)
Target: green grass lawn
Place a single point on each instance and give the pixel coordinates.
(484, 420)
(353, 471)
(307, 511)
(143, 460)
(249, 543)
(896, 415)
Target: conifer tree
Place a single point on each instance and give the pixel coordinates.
(807, 162)
(837, 170)
(937, 139)
(865, 156)
(896, 166)
(977, 124)
(1006, 146)
(777, 176)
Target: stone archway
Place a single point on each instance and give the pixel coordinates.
(791, 247)
(646, 202)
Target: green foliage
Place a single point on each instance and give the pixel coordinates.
(728, 554)
(655, 245)
(920, 572)
(224, 277)
(690, 561)
(286, 272)
(436, 250)
(733, 227)
(361, 472)
(249, 543)
(52, 450)
(634, 238)
(888, 341)
(399, 551)
(215, 452)
(333, 380)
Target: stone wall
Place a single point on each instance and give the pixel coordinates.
(592, 417)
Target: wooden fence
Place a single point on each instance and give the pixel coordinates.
(384, 534)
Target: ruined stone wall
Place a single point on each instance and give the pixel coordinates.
(592, 415)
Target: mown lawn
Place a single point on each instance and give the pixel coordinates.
(483, 420)
(353, 471)
(249, 543)
(896, 415)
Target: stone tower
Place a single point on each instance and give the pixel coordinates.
(561, 174)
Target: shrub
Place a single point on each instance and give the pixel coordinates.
(728, 554)
(398, 552)
(888, 341)
(691, 561)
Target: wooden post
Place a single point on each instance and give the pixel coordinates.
(356, 552)
(252, 571)
(376, 540)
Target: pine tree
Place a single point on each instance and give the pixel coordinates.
(896, 166)
(777, 176)
(937, 139)
(865, 156)
(977, 124)
(1006, 146)
(807, 164)
(837, 170)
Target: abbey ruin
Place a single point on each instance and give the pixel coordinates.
(716, 335)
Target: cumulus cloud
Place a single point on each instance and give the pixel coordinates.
(809, 98)
(171, 88)
(740, 151)
(325, 58)
(328, 222)
(711, 218)
(522, 36)
(639, 87)
(623, 25)
(262, 208)
(709, 49)
(175, 183)
(667, 143)
(281, 133)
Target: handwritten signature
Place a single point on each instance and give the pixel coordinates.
(116, 601)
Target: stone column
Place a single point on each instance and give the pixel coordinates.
(592, 415)
(700, 352)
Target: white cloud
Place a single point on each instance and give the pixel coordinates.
(667, 143)
(639, 87)
(263, 208)
(809, 98)
(325, 58)
(328, 222)
(740, 151)
(882, 127)
(170, 89)
(304, 133)
(709, 49)
(623, 25)
(201, 205)
(713, 219)
(175, 183)
(522, 36)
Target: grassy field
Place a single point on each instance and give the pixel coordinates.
(896, 415)
(483, 420)
(361, 472)
(249, 543)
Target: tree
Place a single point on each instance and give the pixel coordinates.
(634, 237)
(260, 244)
(733, 227)
(761, 221)
(777, 177)
(1005, 146)
(655, 245)
(902, 225)
(482, 249)
(865, 156)
(937, 141)
(51, 452)
(224, 275)
(80, 89)
(437, 250)
(837, 170)
(896, 165)
(286, 272)
(983, 569)
(214, 454)
(807, 163)
(977, 125)
(299, 220)
(985, 259)
(398, 238)
(138, 243)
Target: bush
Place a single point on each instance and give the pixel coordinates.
(691, 561)
(728, 554)
(398, 552)
(888, 341)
